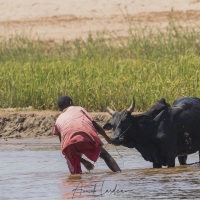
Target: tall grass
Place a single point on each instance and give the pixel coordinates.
(149, 64)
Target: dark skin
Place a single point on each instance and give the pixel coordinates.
(101, 131)
(104, 154)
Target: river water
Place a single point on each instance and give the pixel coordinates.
(36, 170)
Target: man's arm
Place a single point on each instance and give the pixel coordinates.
(59, 135)
(56, 132)
(101, 131)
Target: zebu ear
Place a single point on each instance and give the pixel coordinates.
(142, 118)
(107, 126)
(131, 108)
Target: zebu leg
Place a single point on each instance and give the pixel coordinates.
(182, 160)
(171, 162)
(157, 165)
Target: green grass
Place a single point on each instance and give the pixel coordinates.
(149, 64)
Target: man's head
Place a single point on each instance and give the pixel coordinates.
(64, 102)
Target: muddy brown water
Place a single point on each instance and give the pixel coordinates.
(36, 170)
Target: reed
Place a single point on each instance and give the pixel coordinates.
(148, 64)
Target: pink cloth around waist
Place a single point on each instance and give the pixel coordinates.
(78, 137)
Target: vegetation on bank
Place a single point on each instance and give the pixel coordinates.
(148, 64)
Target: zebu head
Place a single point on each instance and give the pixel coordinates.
(127, 128)
(123, 126)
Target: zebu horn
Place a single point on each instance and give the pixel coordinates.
(110, 111)
(131, 108)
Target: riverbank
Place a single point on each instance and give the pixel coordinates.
(33, 124)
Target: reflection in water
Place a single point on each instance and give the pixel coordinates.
(183, 182)
(39, 171)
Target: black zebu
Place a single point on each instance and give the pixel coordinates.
(162, 133)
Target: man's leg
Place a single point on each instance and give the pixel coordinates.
(89, 166)
(73, 158)
(111, 163)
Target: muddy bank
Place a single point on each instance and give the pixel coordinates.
(33, 124)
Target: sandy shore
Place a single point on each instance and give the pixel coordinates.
(67, 20)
